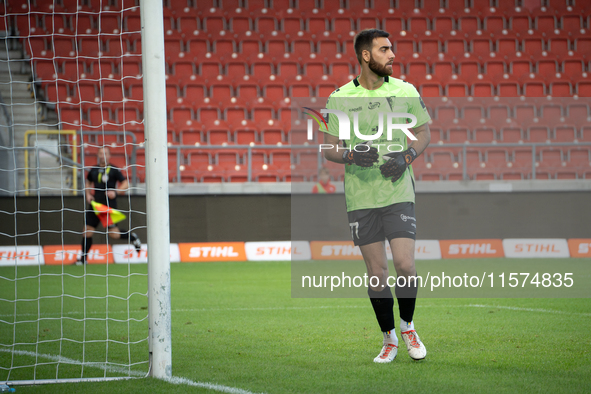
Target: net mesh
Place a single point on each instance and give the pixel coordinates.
(71, 83)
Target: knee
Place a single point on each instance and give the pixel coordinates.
(406, 268)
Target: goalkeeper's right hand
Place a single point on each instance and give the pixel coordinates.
(362, 158)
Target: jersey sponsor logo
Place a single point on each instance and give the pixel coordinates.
(68, 254)
(21, 255)
(539, 247)
(405, 218)
(373, 105)
(355, 109)
(470, 248)
(580, 247)
(212, 251)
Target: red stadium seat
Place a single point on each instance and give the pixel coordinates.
(482, 89)
(559, 46)
(469, 24)
(240, 24)
(583, 89)
(456, 89)
(272, 136)
(520, 23)
(565, 133)
(188, 25)
(506, 46)
(214, 23)
(537, 134)
(393, 24)
(292, 25)
(444, 24)
(484, 135)
(266, 24)
(508, 89)
(198, 45)
(534, 88)
(511, 134)
(481, 47)
(368, 22)
(317, 24)
(469, 69)
(181, 115)
(560, 87)
(342, 26)
(329, 50)
(494, 23)
(418, 25)
(578, 112)
(572, 23)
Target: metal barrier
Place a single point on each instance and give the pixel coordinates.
(465, 147)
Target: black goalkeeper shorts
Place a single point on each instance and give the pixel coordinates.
(374, 225)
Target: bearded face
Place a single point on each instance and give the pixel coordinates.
(381, 70)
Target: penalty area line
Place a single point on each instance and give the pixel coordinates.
(131, 373)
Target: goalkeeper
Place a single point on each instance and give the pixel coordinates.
(379, 184)
(103, 184)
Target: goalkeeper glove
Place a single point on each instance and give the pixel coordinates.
(397, 162)
(362, 159)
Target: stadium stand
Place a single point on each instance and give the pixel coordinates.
(232, 64)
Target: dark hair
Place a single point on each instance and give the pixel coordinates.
(364, 40)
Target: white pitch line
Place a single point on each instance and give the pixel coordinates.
(515, 308)
(303, 308)
(110, 368)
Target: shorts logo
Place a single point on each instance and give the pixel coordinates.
(356, 226)
(373, 105)
(405, 218)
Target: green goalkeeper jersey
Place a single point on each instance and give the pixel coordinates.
(366, 187)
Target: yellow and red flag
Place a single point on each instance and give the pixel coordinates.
(107, 215)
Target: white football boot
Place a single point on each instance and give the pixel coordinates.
(416, 349)
(387, 354)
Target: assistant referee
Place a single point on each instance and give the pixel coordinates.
(103, 184)
(379, 184)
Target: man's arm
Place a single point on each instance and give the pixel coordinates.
(423, 135)
(333, 154)
(121, 189)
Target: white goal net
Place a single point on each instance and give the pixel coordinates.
(71, 84)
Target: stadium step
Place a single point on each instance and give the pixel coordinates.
(16, 95)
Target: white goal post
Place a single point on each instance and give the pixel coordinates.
(157, 188)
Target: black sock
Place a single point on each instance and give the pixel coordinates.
(407, 297)
(383, 303)
(86, 245)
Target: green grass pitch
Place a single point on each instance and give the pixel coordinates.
(235, 324)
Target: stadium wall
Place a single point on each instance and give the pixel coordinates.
(210, 218)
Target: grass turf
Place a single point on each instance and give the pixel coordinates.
(235, 324)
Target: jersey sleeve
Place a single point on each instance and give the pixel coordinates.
(331, 119)
(417, 107)
(119, 175)
(89, 176)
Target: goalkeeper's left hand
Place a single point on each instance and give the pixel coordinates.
(397, 162)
